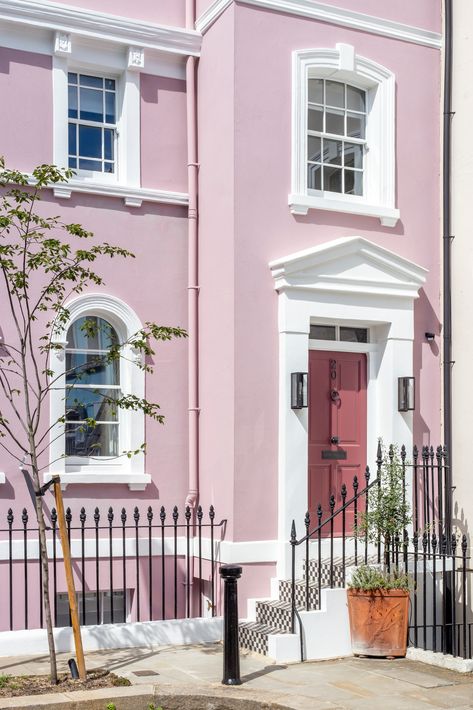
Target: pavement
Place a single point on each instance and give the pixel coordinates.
(343, 684)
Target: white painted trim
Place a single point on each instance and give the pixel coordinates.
(3, 478)
(343, 64)
(145, 634)
(132, 196)
(342, 347)
(225, 551)
(132, 381)
(100, 26)
(91, 476)
(441, 660)
(346, 281)
(332, 14)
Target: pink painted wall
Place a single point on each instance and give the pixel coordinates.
(425, 14)
(163, 133)
(163, 12)
(216, 267)
(25, 78)
(264, 229)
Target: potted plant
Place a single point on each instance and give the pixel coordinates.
(378, 597)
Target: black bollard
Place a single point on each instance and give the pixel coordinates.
(231, 651)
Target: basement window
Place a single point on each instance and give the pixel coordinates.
(342, 333)
(91, 618)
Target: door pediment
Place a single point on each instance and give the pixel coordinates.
(351, 265)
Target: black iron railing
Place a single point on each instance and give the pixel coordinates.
(441, 617)
(161, 565)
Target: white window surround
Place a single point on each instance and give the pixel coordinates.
(349, 281)
(344, 65)
(128, 170)
(130, 471)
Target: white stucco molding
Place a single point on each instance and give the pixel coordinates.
(102, 26)
(349, 265)
(346, 281)
(342, 63)
(132, 196)
(122, 469)
(334, 15)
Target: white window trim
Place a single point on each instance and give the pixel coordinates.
(126, 470)
(128, 157)
(343, 64)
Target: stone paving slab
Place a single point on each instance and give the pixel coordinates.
(345, 684)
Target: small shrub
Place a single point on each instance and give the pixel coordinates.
(111, 706)
(371, 578)
(121, 681)
(4, 680)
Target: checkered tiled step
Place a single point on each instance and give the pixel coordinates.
(274, 613)
(254, 636)
(285, 593)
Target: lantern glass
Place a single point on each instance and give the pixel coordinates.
(406, 394)
(298, 390)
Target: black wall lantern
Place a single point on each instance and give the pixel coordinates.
(406, 399)
(298, 390)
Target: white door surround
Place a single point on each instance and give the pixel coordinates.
(348, 281)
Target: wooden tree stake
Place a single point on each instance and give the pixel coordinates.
(69, 578)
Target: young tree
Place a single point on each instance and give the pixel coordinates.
(43, 262)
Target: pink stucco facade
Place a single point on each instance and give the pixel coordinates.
(243, 114)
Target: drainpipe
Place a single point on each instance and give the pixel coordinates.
(447, 243)
(192, 284)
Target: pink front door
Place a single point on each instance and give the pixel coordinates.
(337, 429)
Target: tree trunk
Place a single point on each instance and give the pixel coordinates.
(45, 567)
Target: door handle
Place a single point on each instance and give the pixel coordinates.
(334, 439)
(334, 395)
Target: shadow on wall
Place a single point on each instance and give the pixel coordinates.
(425, 320)
(35, 60)
(152, 85)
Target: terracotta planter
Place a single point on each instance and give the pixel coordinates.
(378, 621)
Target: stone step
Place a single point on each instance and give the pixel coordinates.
(274, 613)
(254, 636)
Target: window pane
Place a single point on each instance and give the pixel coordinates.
(355, 98)
(332, 152)
(354, 335)
(72, 139)
(353, 155)
(118, 607)
(72, 163)
(316, 119)
(110, 84)
(90, 142)
(334, 94)
(322, 332)
(108, 168)
(83, 403)
(90, 165)
(108, 144)
(101, 440)
(316, 91)
(91, 333)
(332, 179)
(314, 177)
(353, 182)
(93, 81)
(355, 125)
(334, 122)
(110, 107)
(91, 105)
(91, 369)
(72, 78)
(72, 92)
(313, 148)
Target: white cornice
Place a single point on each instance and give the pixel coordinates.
(100, 26)
(332, 14)
(132, 196)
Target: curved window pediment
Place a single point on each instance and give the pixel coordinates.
(343, 148)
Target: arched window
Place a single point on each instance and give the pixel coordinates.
(92, 386)
(343, 134)
(87, 383)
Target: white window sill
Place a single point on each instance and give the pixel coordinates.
(135, 481)
(3, 478)
(301, 204)
(132, 196)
